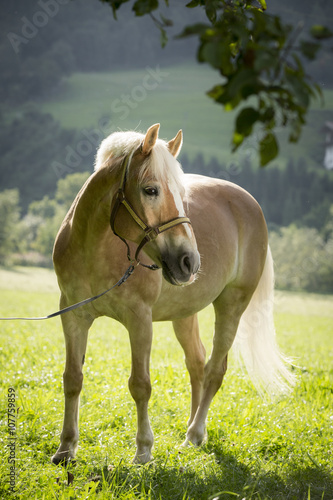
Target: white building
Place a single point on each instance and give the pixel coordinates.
(328, 160)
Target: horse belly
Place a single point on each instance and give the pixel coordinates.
(176, 302)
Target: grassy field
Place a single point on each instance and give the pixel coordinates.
(176, 98)
(257, 449)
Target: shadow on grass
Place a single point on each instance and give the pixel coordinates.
(169, 480)
(223, 477)
(314, 479)
(298, 481)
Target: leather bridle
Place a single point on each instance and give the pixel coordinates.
(150, 232)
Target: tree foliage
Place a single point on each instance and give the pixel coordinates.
(303, 259)
(9, 217)
(32, 145)
(296, 193)
(260, 60)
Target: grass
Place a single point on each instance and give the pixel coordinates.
(178, 100)
(257, 449)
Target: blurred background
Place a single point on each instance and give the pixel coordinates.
(71, 74)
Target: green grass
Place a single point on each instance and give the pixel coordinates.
(178, 101)
(257, 449)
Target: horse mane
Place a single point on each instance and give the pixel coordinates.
(159, 163)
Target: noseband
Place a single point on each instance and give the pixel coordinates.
(150, 232)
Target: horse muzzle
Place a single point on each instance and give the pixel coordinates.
(180, 269)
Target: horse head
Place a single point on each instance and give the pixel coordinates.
(148, 208)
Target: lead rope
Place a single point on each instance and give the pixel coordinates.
(122, 280)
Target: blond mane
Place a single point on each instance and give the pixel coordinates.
(160, 163)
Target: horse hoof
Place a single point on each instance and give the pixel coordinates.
(195, 438)
(142, 458)
(62, 459)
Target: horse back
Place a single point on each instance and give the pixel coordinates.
(229, 224)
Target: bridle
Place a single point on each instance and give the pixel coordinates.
(150, 232)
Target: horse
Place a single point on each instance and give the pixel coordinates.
(191, 241)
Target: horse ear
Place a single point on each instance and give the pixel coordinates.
(175, 144)
(150, 139)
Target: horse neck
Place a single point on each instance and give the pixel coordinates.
(90, 212)
(86, 231)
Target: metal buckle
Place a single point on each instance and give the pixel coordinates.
(151, 233)
(120, 195)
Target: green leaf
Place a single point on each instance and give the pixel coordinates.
(194, 29)
(237, 140)
(297, 86)
(263, 4)
(296, 129)
(267, 116)
(193, 3)
(320, 32)
(166, 21)
(217, 53)
(115, 5)
(242, 84)
(216, 92)
(142, 7)
(163, 37)
(268, 149)
(210, 8)
(309, 49)
(245, 120)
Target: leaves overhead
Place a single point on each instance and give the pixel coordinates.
(259, 58)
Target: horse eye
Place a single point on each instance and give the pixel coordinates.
(151, 191)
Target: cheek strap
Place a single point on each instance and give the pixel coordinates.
(150, 233)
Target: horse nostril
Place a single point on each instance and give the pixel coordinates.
(186, 264)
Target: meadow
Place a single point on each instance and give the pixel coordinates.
(257, 448)
(176, 97)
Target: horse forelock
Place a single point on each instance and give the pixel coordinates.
(160, 164)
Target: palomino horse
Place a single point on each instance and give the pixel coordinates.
(140, 190)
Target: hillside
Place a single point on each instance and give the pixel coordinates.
(175, 97)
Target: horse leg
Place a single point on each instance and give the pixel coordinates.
(140, 387)
(187, 333)
(229, 307)
(76, 334)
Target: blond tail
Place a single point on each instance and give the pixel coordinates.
(255, 342)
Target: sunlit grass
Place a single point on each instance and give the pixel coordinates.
(257, 449)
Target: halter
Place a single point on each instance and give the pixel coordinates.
(150, 232)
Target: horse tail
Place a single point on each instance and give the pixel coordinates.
(255, 342)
